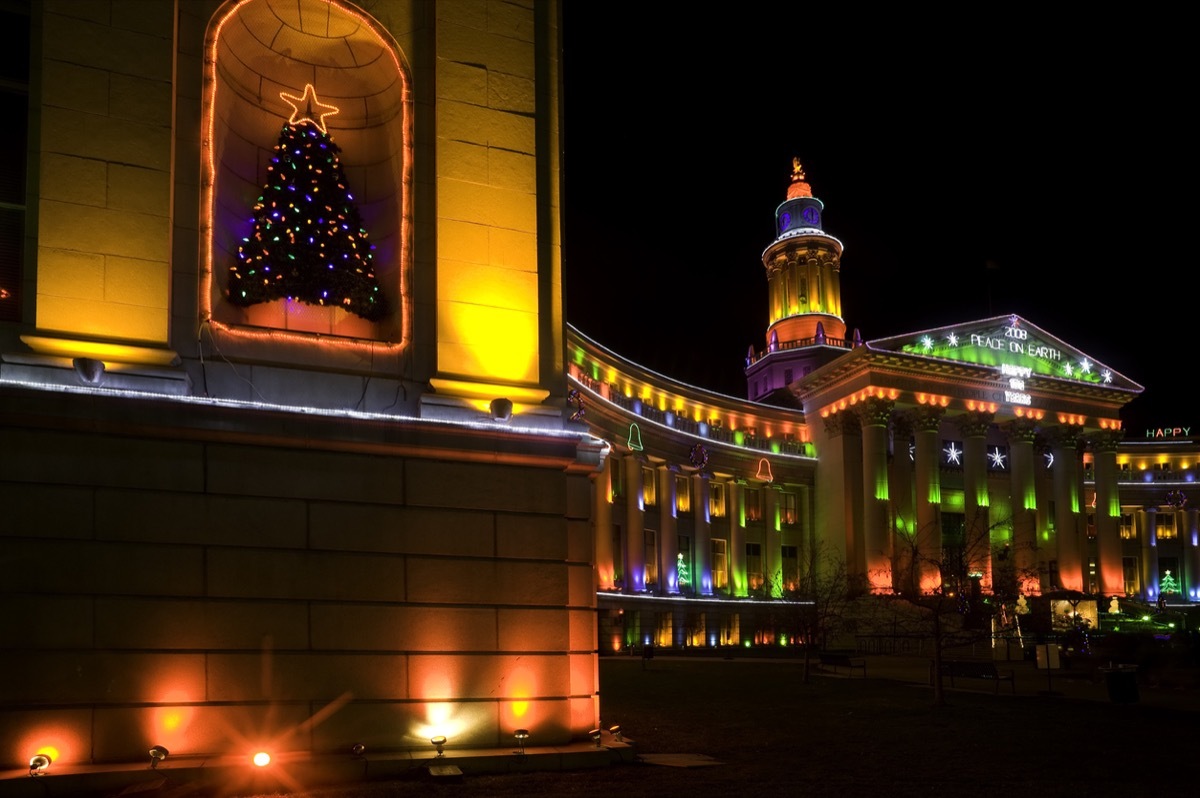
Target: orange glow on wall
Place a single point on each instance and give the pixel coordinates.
(1072, 419)
(57, 740)
(1109, 423)
(1023, 412)
(988, 407)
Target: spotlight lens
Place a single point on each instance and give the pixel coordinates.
(262, 759)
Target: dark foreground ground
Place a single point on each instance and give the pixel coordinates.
(776, 736)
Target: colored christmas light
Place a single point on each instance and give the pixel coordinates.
(312, 251)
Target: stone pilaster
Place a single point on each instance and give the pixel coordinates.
(702, 538)
(668, 532)
(974, 427)
(1149, 538)
(635, 527)
(602, 526)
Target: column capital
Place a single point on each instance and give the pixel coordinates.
(974, 423)
(842, 424)
(874, 412)
(1106, 440)
(927, 419)
(1021, 430)
(1063, 437)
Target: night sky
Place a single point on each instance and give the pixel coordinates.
(1062, 156)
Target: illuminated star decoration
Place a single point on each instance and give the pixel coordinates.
(1085, 366)
(997, 457)
(927, 343)
(1068, 370)
(1107, 375)
(1049, 459)
(1013, 321)
(952, 339)
(308, 108)
(953, 454)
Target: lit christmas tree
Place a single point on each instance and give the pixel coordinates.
(309, 242)
(684, 575)
(1168, 584)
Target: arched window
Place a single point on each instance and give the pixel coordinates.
(256, 52)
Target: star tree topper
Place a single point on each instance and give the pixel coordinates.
(303, 108)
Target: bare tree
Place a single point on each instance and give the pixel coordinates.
(815, 600)
(953, 583)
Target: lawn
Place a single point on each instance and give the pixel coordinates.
(837, 736)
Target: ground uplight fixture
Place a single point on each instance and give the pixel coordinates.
(615, 731)
(157, 754)
(358, 749)
(38, 764)
(439, 743)
(521, 736)
(595, 735)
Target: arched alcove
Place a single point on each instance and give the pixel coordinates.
(256, 50)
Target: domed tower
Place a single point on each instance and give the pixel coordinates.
(804, 295)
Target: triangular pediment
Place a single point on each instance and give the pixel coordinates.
(1009, 343)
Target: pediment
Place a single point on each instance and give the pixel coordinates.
(1009, 343)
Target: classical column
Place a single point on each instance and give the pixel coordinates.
(635, 527)
(1064, 445)
(927, 541)
(773, 543)
(1149, 538)
(901, 493)
(1108, 513)
(1189, 582)
(736, 553)
(602, 516)
(977, 544)
(1022, 462)
(873, 415)
(702, 540)
(668, 532)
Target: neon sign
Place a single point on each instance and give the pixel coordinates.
(1169, 432)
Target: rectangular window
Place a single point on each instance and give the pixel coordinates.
(791, 568)
(1091, 526)
(787, 509)
(14, 153)
(649, 488)
(651, 557)
(720, 565)
(1128, 528)
(1133, 582)
(683, 494)
(716, 500)
(787, 376)
(1093, 580)
(616, 482)
(754, 509)
(754, 574)
(1164, 525)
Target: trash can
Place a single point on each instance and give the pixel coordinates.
(1122, 683)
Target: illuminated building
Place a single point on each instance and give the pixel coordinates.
(283, 524)
(991, 438)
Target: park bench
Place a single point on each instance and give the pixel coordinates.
(836, 659)
(977, 669)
